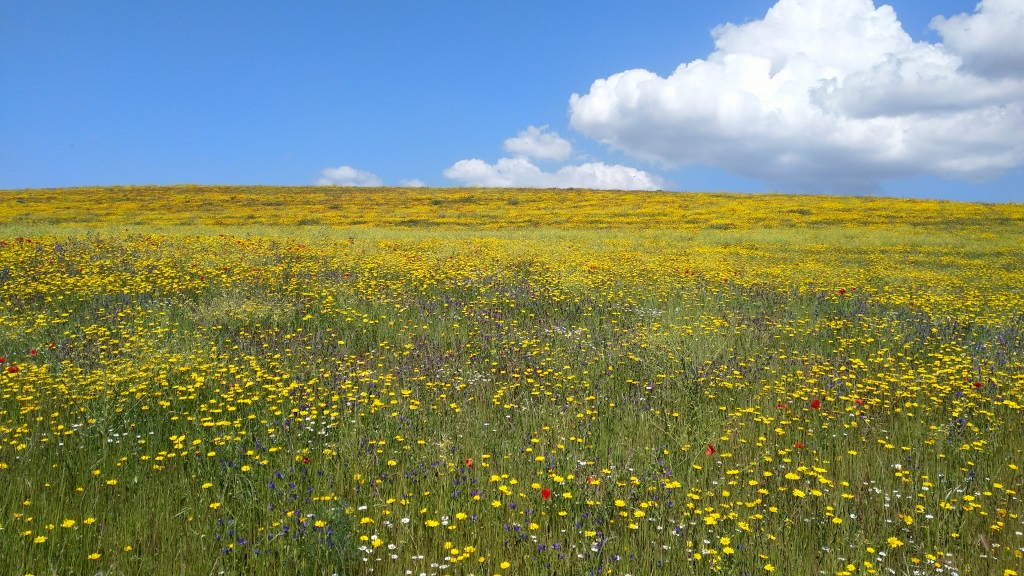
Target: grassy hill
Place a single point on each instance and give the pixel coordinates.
(322, 380)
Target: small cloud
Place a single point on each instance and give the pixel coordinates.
(536, 142)
(348, 176)
(521, 173)
(412, 183)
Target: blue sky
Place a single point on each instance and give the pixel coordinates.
(832, 96)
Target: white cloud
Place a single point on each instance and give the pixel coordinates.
(538, 143)
(989, 40)
(828, 94)
(413, 183)
(521, 173)
(348, 176)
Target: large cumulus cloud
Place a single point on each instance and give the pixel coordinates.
(828, 95)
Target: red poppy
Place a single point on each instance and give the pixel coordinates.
(545, 494)
(710, 450)
(12, 369)
(859, 402)
(815, 403)
(3, 359)
(590, 480)
(469, 462)
(842, 291)
(305, 459)
(33, 351)
(978, 384)
(782, 406)
(798, 445)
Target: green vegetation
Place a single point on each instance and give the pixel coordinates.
(597, 397)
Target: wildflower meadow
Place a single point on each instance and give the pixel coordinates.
(508, 382)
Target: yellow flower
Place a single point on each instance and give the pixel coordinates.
(894, 542)
(67, 524)
(432, 523)
(94, 556)
(769, 568)
(214, 505)
(505, 565)
(39, 539)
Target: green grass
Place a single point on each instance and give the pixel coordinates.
(343, 379)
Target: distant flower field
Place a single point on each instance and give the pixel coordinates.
(341, 381)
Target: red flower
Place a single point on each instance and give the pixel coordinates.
(798, 445)
(12, 369)
(590, 480)
(815, 403)
(545, 494)
(469, 462)
(305, 459)
(978, 384)
(3, 359)
(710, 450)
(859, 402)
(842, 291)
(782, 406)
(33, 351)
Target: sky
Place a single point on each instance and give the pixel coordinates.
(906, 99)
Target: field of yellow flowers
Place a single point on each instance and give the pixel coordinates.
(354, 381)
